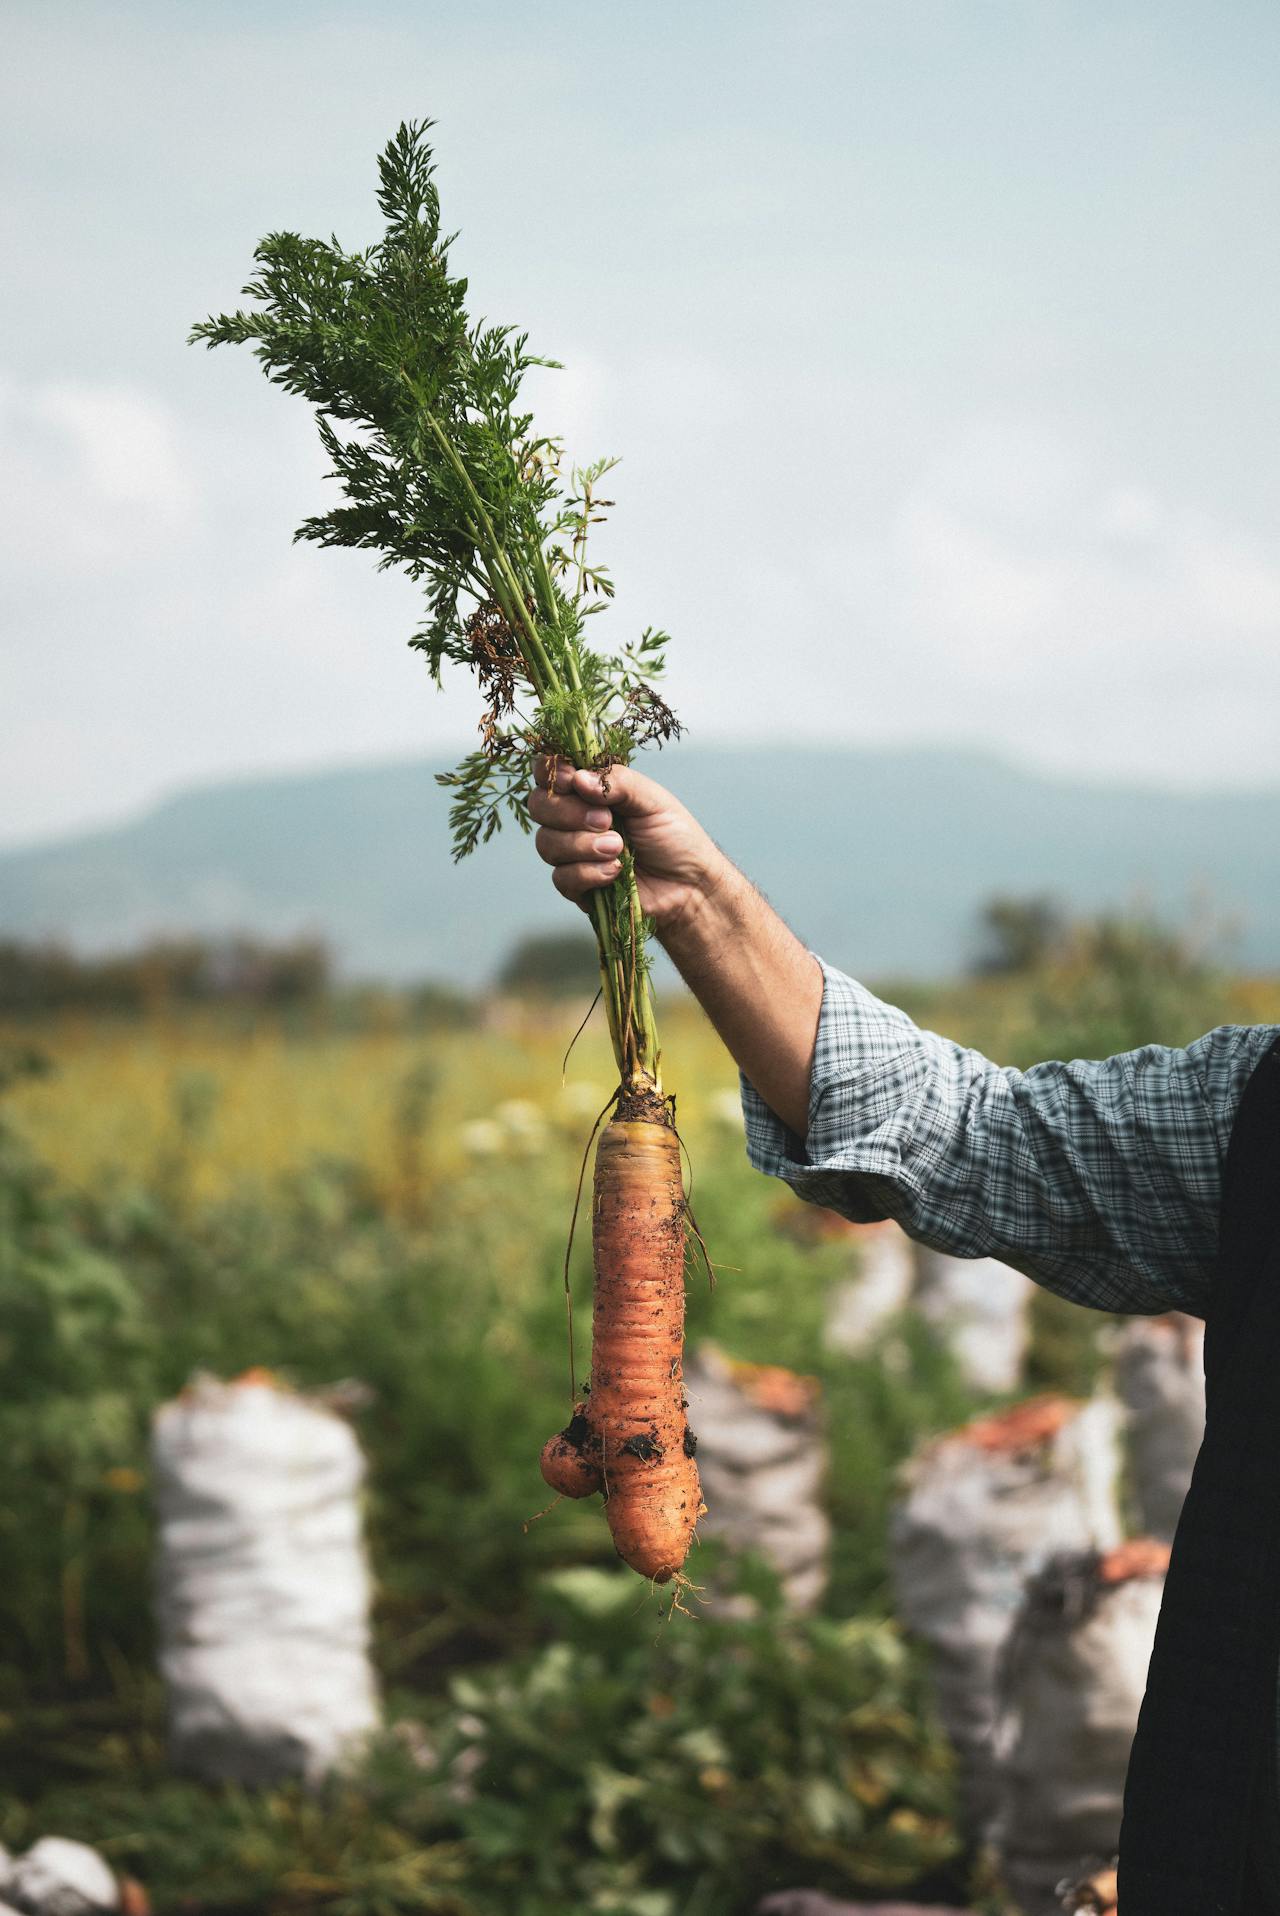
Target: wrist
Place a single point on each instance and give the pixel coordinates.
(699, 914)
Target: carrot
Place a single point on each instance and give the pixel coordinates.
(446, 477)
(630, 1437)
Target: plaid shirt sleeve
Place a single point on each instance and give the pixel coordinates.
(1100, 1179)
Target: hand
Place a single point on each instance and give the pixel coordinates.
(759, 986)
(677, 865)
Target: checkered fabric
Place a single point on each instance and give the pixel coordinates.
(1100, 1179)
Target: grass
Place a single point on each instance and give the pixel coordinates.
(330, 1198)
(250, 1103)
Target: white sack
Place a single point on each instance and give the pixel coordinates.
(861, 1306)
(979, 1308)
(60, 1877)
(262, 1585)
(1159, 1369)
(1094, 1894)
(979, 1512)
(1071, 1687)
(761, 1460)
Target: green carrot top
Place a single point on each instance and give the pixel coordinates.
(418, 409)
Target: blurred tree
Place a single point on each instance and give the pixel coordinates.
(38, 978)
(551, 964)
(1095, 986)
(1017, 934)
(1119, 981)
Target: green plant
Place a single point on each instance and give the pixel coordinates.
(75, 1376)
(443, 475)
(619, 1769)
(1090, 987)
(362, 1847)
(418, 409)
(650, 1771)
(549, 964)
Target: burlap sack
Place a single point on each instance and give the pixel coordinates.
(1071, 1684)
(979, 1512)
(979, 1308)
(762, 1457)
(861, 1306)
(262, 1587)
(1159, 1370)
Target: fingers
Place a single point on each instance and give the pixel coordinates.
(620, 788)
(581, 862)
(579, 881)
(566, 814)
(557, 847)
(574, 811)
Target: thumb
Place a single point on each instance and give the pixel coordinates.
(623, 790)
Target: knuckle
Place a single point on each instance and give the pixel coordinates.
(556, 811)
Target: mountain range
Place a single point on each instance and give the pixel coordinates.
(881, 859)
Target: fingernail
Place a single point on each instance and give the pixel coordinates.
(598, 820)
(609, 844)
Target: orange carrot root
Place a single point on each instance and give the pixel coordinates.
(566, 1463)
(631, 1437)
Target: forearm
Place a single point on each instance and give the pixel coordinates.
(758, 985)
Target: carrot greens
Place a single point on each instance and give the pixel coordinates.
(443, 474)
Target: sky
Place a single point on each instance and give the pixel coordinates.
(938, 339)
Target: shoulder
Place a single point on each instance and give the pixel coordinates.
(1224, 1061)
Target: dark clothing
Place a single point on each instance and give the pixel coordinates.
(1149, 1181)
(1201, 1796)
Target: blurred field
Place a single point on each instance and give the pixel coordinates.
(343, 1191)
(243, 1099)
(248, 1100)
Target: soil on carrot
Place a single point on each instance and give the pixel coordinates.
(641, 1104)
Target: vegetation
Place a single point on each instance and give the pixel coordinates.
(603, 1771)
(193, 1190)
(551, 964)
(38, 979)
(443, 475)
(1094, 986)
(112, 1290)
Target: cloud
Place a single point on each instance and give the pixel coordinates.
(159, 626)
(125, 443)
(1130, 517)
(90, 476)
(1017, 545)
(1053, 605)
(1020, 586)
